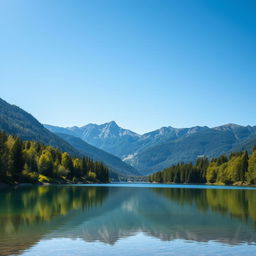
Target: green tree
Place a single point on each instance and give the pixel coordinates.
(251, 174)
(15, 161)
(45, 164)
(66, 162)
(237, 167)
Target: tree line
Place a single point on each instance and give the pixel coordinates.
(33, 162)
(235, 169)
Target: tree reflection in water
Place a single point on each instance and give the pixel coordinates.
(106, 214)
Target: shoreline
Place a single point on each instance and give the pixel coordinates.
(206, 184)
(5, 185)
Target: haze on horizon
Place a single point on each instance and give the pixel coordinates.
(145, 64)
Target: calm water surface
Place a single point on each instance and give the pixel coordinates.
(127, 220)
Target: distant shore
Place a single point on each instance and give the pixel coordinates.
(3, 185)
(208, 184)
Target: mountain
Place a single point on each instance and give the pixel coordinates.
(122, 142)
(113, 162)
(16, 121)
(109, 136)
(209, 142)
(161, 135)
(163, 147)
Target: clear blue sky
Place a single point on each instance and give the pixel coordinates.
(144, 64)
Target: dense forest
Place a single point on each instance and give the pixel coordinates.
(33, 162)
(237, 169)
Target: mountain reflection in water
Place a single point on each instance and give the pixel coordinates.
(107, 214)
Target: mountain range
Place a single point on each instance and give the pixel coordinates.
(109, 136)
(126, 152)
(163, 147)
(16, 121)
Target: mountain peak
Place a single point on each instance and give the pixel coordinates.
(112, 124)
(229, 126)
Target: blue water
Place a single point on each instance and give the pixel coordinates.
(128, 219)
(158, 185)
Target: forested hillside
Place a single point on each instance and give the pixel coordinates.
(16, 121)
(33, 162)
(211, 143)
(238, 168)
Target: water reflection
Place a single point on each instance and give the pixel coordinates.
(237, 203)
(29, 213)
(106, 214)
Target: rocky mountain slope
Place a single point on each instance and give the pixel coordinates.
(161, 148)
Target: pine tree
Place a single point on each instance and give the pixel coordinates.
(66, 162)
(15, 161)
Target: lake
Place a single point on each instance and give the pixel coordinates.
(127, 219)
